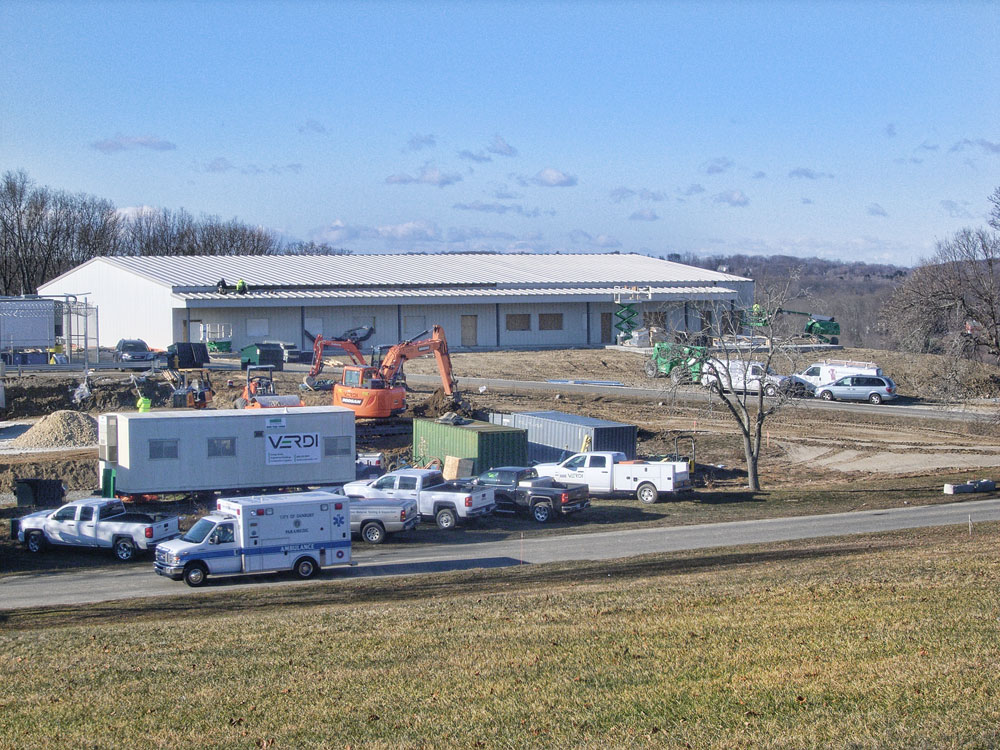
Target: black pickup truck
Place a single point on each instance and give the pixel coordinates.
(518, 488)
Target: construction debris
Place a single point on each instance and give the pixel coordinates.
(60, 429)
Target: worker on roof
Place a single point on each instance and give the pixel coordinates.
(221, 286)
(241, 287)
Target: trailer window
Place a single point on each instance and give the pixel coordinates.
(337, 446)
(162, 449)
(221, 447)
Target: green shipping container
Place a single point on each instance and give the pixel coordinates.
(491, 445)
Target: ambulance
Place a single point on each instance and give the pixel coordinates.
(301, 532)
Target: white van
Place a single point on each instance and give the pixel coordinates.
(748, 377)
(830, 370)
(302, 532)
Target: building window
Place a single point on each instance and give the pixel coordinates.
(162, 449)
(257, 327)
(518, 322)
(550, 321)
(221, 447)
(337, 446)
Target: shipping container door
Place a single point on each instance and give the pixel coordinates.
(470, 330)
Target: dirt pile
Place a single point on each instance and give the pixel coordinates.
(63, 428)
(439, 403)
(35, 396)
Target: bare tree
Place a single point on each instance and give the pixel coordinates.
(740, 368)
(951, 302)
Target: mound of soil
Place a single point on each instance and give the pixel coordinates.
(35, 396)
(62, 428)
(439, 403)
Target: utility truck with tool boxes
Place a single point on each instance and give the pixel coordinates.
(165, 452)
(611, 473)
(95, 522)
(301, 532)
(445, 503)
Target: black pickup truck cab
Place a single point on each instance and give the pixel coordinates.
(520, 489)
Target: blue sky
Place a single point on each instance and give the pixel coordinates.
(853, 131)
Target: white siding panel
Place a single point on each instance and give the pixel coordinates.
(128, 305)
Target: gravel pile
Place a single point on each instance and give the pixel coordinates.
(61, 428)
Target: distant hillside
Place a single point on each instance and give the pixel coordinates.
(853, 293)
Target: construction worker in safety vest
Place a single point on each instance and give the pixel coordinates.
(241, 287)
(143, 404)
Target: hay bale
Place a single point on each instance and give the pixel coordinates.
(61, 428)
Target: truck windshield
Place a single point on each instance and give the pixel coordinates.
(197, 533)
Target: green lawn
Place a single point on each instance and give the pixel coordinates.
(877, 641)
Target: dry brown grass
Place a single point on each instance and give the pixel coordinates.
(882, 641)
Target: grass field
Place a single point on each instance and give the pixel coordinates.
(878, 641)
(702, 506)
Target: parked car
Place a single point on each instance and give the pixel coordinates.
(737, 375)
(95, 522)
(519, 488)
(134, 353)
(871, 388)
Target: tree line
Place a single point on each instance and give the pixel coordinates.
(45, 232)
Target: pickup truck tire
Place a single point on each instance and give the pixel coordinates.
(35, 541)
(445, 518)
(373, 533)
(770, 390)
(647, 492)
(124, 549)
(195, 574)
(542, 512)
(305, 568)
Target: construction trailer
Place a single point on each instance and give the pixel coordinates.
(166, 452)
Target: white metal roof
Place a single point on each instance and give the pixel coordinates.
(451, 293)
(383, 271)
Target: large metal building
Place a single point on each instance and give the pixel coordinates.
(482, 301)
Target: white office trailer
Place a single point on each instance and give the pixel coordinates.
(186, 451)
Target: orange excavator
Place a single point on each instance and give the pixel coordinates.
(378, 390)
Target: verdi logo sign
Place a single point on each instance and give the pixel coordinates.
(292, 448)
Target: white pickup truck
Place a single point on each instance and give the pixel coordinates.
(96, 522)
(446, 503)
(610, 473)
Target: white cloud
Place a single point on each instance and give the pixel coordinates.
(644, 214)
(411, 231)
(312, 126)
(500, 147)
(736, 198)
(551, 177)
(620, 194)
(758, 175)
(478, 157)
(874, 209)
(338, 232)
(807, 201)
(418, 142)
(428, 175)
(956, 209)
(988, 147)
(220, 164)
(502, 208)
(579, 237)
(718, 165)
(127, 142)
(693, 189)
(807, 173)
(890, 130)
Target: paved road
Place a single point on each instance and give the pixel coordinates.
(904, 407)
(127, 582)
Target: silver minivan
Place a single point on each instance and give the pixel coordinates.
(871, 388)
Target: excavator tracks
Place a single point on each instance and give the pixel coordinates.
(374, 428)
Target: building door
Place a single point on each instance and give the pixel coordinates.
(470, 330)
(194, 331)
(606, 336)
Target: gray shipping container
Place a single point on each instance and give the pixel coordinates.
(29, 323)
(227, 449)
(553, 435)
